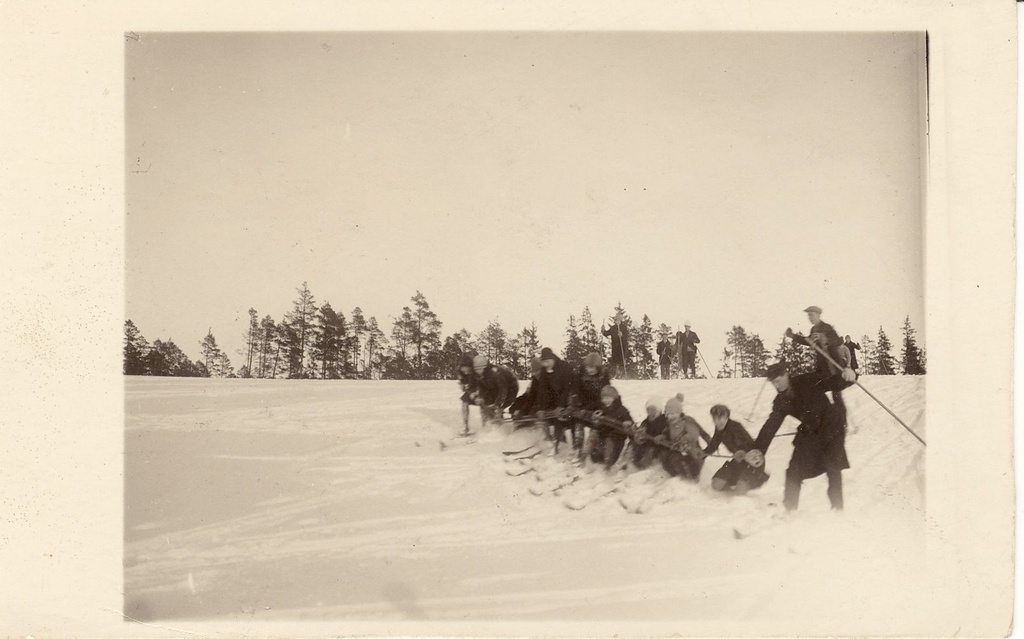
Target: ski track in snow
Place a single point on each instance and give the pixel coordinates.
(338, 500)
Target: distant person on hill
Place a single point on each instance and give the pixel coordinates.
(664, 350)
(686, 348)
(468, 382)
(498, 387)
(683, 433)
(523, 405)
(737, 474)
(553, 395)
(618, 333)
(852, 347)
(820, 442)
(645, 451)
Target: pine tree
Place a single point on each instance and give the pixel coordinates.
(529, 345)
(252, 343)
(737, 340)
(328, 349)
(267, 349)
(454, 347)
(910, 356)
(869, 355)
(426, 336)
(375, 345)
(356, 343)
(300, 320)
(726, 370)
(574, 350)
(211, 354)
(493, 342)
(885, 361)
(757, 356)
(135, 350)
(643, 350)
(588, 334)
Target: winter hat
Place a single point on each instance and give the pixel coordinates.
(656, 403)
(547, 353)
(777, 369)
(686, 323)
(466, 360)
(592, 359)
(674, 406)
(535, 365)
(609, 391)
(480, 361)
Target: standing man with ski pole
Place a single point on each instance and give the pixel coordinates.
(686, 347)
(619, 334)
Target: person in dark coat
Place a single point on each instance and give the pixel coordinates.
(556, 384)
(686, 348)
(852, 347)
(592, 377)
(820, 442)
(736, 474)
(468, 382)
(664, 350)
(618, 332)
(606, 441)
(523, 405)
(497, 385)
(645, 451)
(826, 338)
(686, 458)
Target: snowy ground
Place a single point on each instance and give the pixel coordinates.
(251, 499)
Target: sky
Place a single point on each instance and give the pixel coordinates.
(726, 179)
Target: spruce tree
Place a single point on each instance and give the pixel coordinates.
(642, 338)
(300, 320)
(910, 355)
(135, 350)
(885, 361)
(869, 356)
(574, 350)
(589, 336)
(726, 370)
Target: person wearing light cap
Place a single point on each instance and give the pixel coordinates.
(524, 403)
(498, 388)
(645, 451)
(820, 442)
(468, 382)
(827, 339)
(686, 348)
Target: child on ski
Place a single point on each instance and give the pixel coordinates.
(606, 439)
(554, 390)
(685, 458)
(645, 451)
(592, 377)
(737, 474)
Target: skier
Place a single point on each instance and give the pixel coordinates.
(686, 457)
(852, 347)
(819, 446)
(553, 393)
(664, 350)
(737, 474)
(498, 388)
(826, 338)
(523, 405)
(645, 451)
(468, 382)
(686, 348)
(619, 335)
(592, 377)
(606, 441)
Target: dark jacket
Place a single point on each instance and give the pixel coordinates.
(498, 386)
(852, 347)
(555, 388)
(806, 401)
(686, 342)
(619, 335)
(665, 351)
(834, 347)
(617, 412)
(525, 402)
(588, 388)
(469, 385)
(645, 452)
(734, 436)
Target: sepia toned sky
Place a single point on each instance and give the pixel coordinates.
(721, 178)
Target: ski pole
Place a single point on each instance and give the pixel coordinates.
(704, 361)
(878, 401)
(758, 400)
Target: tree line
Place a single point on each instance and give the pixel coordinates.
(315, 341)
(745, 354)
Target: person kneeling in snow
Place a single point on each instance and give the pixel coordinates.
(523, 405)
(609, 427)
(737, 474)
(684, 458)
(593, 376)
(468, 382)
(645, 451)
(498, 388)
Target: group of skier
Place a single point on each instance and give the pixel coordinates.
(682, 349)
(585, 405)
